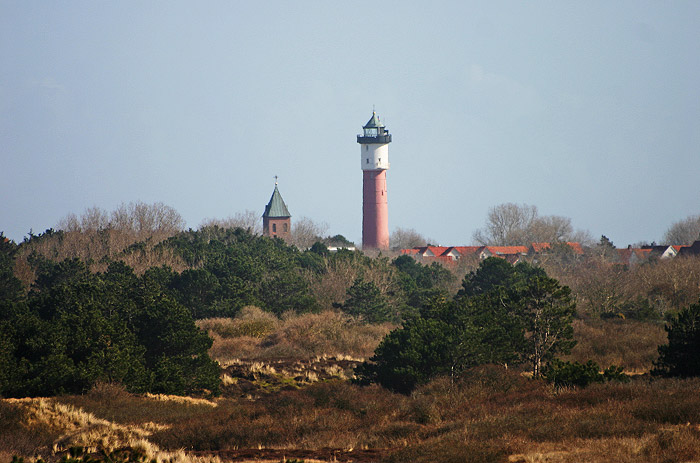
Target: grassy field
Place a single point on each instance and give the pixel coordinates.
(488, 415)
(283, 399)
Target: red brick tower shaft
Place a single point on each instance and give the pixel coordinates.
(375, 210)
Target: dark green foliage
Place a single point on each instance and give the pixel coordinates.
(504, 314)
(236, 268)
(365, 301)
(10, 287)
(567, 374)
(681, 356)
(77, 328)
(492, 274)
(421, 284)
(410, 356)
(421, 276)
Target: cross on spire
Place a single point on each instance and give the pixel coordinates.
(276, 177)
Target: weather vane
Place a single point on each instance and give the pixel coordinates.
(276, 180)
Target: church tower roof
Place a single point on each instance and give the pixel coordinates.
(276, 206)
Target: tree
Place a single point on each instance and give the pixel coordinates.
(681, 356)
(406, 238)
(684, 231)
(507, 224)
(365, 301)
(411, 355)
(11, 289)
(423, 276)
(77, 327)
(247, 220)
(546, 311)
(305, 232)
(605, 249)
(338, 241)
(136, 217)
(512, 224)
(504, 314)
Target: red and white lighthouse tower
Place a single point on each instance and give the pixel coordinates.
(374, 145)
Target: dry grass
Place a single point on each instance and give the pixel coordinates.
(627, 343)
(489, 414)
(255, 334)
(65, 426)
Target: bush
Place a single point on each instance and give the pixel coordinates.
(681, 356)
(251, 321)
(565, 374)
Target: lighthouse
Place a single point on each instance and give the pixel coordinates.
(374, 148)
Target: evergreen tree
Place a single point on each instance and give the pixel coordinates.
(365, 301)
(503, 314)
(681, 356)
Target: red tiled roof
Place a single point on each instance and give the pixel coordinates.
(539, 247)
(578, 249)
(438, 250)
(507, 249)
(462, 250)
(409, 252)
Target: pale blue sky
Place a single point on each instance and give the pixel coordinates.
(589, 110)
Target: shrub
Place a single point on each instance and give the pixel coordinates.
(251, 321)
(563, 374)
(681, 356)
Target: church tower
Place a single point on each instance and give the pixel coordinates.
(374, 156)
(277, 221)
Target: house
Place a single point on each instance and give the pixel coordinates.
(512, 254)
(459, 252)
(633, 256)
(543, 248)
(428, 251)
(663, 251)
(691, 250)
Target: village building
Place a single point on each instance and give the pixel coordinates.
(691, 250)
(277, 221)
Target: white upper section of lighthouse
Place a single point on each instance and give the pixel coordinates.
(375, 157)
(374, 145)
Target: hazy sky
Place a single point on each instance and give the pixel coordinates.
(589, 110)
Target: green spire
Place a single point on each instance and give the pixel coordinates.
(373, 123)
(276, 206)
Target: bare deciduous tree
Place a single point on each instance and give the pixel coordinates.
(146, 219)
(550, 229)
(305, 232)
(507, 225)
(406, 238)
(684, 231)
(248, 220)
(512, 224)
